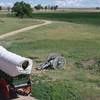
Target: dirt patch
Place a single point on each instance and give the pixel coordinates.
(25, 98)
(92, 63)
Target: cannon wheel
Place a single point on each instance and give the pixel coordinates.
(54, 61)
(59, 61)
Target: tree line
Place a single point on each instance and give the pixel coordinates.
(37, 7)
(21, 9)
(40, 7)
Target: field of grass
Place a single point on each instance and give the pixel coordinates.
(11, 24)
(76, 41)
(77, 37)
(74, 17)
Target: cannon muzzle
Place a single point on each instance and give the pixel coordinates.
(13, 64)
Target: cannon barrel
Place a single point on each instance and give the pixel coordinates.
(13, 64)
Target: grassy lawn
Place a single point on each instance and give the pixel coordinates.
(11, 24)
(76, 41)
(77, 37)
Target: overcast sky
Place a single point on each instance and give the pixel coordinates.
(60, 3)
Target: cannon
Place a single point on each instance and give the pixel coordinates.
(15, 73)
(53, 61)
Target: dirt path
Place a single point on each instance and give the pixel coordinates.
(24, 29)
(25, 98)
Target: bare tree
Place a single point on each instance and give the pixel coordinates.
(0, 7)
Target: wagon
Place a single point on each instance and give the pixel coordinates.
(15, 74)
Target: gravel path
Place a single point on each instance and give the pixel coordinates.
(5, 35)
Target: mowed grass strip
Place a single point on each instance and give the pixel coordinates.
(12, 24)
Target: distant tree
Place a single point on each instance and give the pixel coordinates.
(38, 7)
(45, 7)
(8, 8)
(49, 7)
(0, 7)
(97, 8)
(22, 9)
(52, 7)
(55, 7)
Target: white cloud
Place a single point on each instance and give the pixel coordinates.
(64, 3)
(60, 3)
(4, 4)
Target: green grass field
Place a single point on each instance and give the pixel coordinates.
(74, 17)
(77, 37)
(11, 24)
